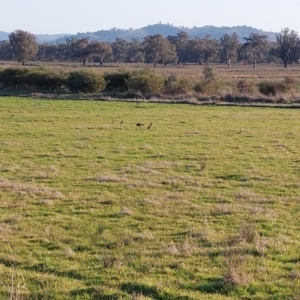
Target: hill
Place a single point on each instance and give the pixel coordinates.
(163, 29)
(41, 38)
(168, 29)
(3, 35)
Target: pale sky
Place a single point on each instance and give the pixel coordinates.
(72, 16)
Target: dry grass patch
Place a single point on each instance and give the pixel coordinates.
(29, 189)
(111, 178)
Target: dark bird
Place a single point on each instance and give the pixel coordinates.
(149, 127)
(121, 122)
(139, 124)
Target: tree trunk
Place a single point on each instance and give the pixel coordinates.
(154, 64)
(84, 61)
(254, 62)
(285, 64)
(228, 63)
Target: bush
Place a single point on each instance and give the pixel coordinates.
(14, 76)
(209, 88)
(43, 78)
(210, 84)
(271, 88)
(198, 87)
(209, 74)
(117, 81)
(86, 82)
(145, 82)
(39, 78)
(291, 83)
(244, 86)
(175, 85)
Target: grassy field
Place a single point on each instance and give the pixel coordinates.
(204, 205)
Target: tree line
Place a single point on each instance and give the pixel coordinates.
(22, 46)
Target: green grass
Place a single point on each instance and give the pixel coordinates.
(205, 205)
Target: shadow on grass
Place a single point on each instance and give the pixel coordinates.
(149, 291)
(8, 263)
(92, 293)
(233, 177)
(43, 268)
(213, 286)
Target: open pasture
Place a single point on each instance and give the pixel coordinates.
(204, 205)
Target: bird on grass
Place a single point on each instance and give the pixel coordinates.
(139, 125)
(149, 127)
(121, 122)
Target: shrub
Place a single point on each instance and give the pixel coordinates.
(40, 78)
(145, 82)
(209, 74)
(175, 85)
(86, 82)
(235, 268)
(117, 81)
(271, 88)
(210, 84)
(43, 78)
(209, 88)
(244, 86)
(291, 83)
(14, 76)
(198, 87)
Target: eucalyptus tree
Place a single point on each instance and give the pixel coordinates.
(135, 51)
(210, 49)
(101, 50)
(80, 49)
(24, 45)
(256, 43)
(120, 50)
(180, 41)
(85, 49)
(194, 50)
(287, 46)
(228, 47)
(202, 50)
(157, 48)
(6, 51)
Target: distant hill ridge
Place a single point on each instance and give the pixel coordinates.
(163, 29)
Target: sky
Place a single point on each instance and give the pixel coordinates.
(73, 16)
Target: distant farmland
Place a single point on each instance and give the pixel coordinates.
(193, 71)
